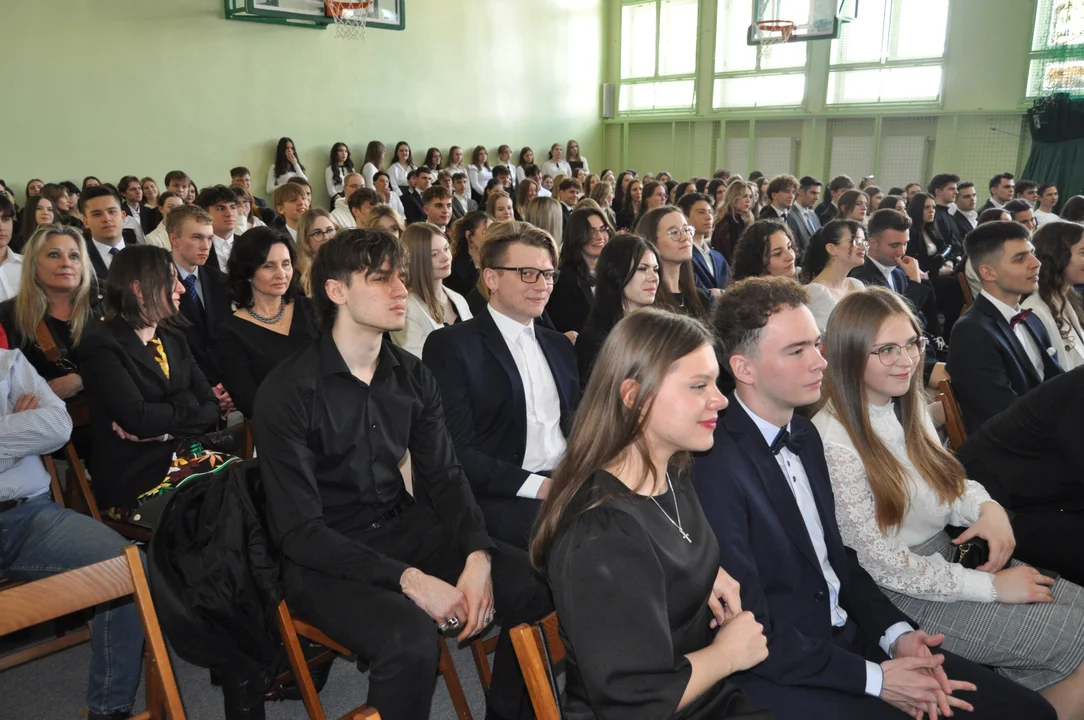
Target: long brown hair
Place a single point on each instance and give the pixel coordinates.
(418, 239)
(643, 348)
(852, 331)
(1054, 243)
(648, 228)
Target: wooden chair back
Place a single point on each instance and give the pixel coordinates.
(954, 418)
(42, 600)
(965, 288)
(292, 629)
(539, 650)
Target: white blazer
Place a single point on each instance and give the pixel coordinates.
(419, 323)
(1067, 358)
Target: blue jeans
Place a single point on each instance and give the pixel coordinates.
(40, 538)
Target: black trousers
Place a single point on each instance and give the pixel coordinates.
(1047, 537)
(950, 301)
(996, 697)
(396, 636)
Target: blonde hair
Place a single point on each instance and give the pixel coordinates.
(736, 191)
(305, 255)
(384, 211)
(32, 304)
(545, 213)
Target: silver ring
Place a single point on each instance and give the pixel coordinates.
(453, 621)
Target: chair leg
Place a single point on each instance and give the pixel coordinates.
(451, 679)
(481, 650)
(298, 664)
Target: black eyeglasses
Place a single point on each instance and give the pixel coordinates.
(530, 275)
(889, 355)
(322, 235)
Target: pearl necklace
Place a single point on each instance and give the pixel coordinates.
(269, 320)
(677, 510)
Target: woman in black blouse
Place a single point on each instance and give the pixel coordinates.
(273, 318)
(586, 234)
(56, 304)
(466, 238)
(652, 625)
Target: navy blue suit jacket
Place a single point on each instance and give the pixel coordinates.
(917, 293)
(485, 408)
(704, 276)
(764, 545)
(989, 367)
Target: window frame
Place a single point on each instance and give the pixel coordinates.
(1052, 52)
(655, 77)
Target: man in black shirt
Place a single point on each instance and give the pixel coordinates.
(371, 566)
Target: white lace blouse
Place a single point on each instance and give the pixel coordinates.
(888, 558)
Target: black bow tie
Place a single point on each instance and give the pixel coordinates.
(790, 441)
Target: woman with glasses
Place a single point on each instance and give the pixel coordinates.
(765, 248)
(834, 250)
(669, 230)
(430, 305)
(626, 279)
(273, 318)
(586, 234)
(313, 230)
(896, 489)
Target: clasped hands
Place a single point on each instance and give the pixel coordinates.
(470, 601)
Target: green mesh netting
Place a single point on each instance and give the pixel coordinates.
(1057, 58)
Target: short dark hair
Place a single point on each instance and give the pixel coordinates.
(755, 175)
(570, 183)
(96, 191)
(888, 219)
(176, 175)
(459, 176)
(72, 188)
(436, 192)
(349, 252)
(996, 179)
(686, 201)
(988, 238)
(250, 251)
(1022, 186)
(1073, 209)
(840, 182)
(213, 195)
(500, 170)
(1043, 187)
(940, 180)
(380, 173)
(362, 196)
(151, 267)
(745, 308)
(239, 171)
(7, 208)
(160, 201)
(808, 181)
(1018, 205)
(992, 215)
(965, 185)
(531, 170)
(298, 180)
(125, 182)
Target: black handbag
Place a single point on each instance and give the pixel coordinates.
(973, 553)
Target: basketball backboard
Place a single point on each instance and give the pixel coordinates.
(386, 14)
(813, 19)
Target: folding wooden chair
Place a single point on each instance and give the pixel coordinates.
(969, 297)
(42, 600)
(954, 419)
(291, 628)
(63, 640)
(539, 649)
(482, 649)
(81, 498)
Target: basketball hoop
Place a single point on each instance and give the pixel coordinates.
(350, 17)
(772, 33)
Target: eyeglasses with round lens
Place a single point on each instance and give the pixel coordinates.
(890, 354)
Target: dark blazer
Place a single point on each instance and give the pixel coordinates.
(484, 402)
(768, 212)
(826, 211)
(963, 226)
(203, 324)
(986, 205)
(946, 225)
(765, 546)
(725, 235)
(412, 206)
(717, 276)
(571, 300)
(989, 367)
(798, 224)
(149, 217)
(96, 261)
(1036, 437)
(126, 386)
(916, 293)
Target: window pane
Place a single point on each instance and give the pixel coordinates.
(785, 55)
(863, 39)
(762, 91)
(677, 37)
(1058, 23)
(673, 95)
(1048, 76)
(884, 85)
(732, 53)
(638, 40)
(919, 29)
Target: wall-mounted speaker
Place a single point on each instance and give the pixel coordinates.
(607, 100)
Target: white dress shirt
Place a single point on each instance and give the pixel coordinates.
(553, 168)
(293, 233)
(398, 174)
(545, 441)
(1027, 340)
(887, 272)
(1041, 217)
(274, 181)
(971, 215)
(479, 177)
(397, 205)
(132, 223)
(107, 252)
(368, 170)
(704, 248)
(11, 275)
(183, 274)
(794, 471)
(223, 248)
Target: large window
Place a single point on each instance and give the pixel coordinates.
(747, 76)
(892, 52)
(1057, 48)
(658, 55)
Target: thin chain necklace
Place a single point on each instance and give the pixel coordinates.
(677, 510)
(269, 320)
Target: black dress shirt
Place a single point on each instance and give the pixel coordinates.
(330, 447)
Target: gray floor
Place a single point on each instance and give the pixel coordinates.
(54, 688)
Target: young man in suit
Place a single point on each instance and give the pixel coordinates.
(242, 178)
(828, 209)
(1031, 459)
(412, 198)
(802, 219)
(1002, 187)
(461, 199)
(838, 648)
(221, 203)
(509, 386)
(781, 192)
(205, 303)
(963, 210)
(996, 352)
(710, 269)
(106, 234)
(131, 190)
(291, 202)
(437, 206)
(887, 263)
(569, 194)
(177, 181)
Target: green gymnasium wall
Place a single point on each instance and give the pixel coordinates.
(112, 87)
(976, 130)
